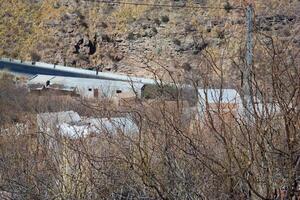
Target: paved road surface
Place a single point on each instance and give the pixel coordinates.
(24, 68)
(56, 70)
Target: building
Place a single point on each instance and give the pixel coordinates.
(111, 126)
(218, 101)
(70, 124)
(48, 121)
(67, 140)
(84, 87)
(228, 103)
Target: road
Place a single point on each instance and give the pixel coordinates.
(24, 68)
(19, 67)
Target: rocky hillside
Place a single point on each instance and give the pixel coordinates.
(138, 39)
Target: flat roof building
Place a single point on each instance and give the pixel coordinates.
(85, 87)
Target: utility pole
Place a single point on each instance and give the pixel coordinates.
(247, 72)
(247, 83)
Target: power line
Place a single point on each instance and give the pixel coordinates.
(167, 5)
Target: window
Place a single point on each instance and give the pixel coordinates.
(90, 89)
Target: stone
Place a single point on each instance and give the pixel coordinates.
(176, 41)
(103, 25)
(130, 36)
(56, 5)
(165, 19)
(186, 66)
(277, 27)
(106, 38)
(157, 21)
(189, 28)
(52, 23)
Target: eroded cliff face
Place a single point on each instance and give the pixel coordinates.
(140, 40)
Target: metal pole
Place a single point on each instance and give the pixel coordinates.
(247, 77)
(247, 81)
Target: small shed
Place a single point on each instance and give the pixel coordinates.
(218, 101)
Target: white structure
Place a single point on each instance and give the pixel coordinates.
(85, 87)
(229, 100)
(122, 125)
(70, 124)
(219, 95)
(214, 97)
(48, 121)
(266, 110)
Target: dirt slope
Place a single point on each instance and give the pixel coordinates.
(138, 40)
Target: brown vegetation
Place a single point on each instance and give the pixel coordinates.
(175, 154)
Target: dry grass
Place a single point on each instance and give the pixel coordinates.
(22, 26)
(126, 14)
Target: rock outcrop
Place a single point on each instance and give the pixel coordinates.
(136, 40)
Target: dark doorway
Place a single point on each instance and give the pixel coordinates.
(96, 93)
